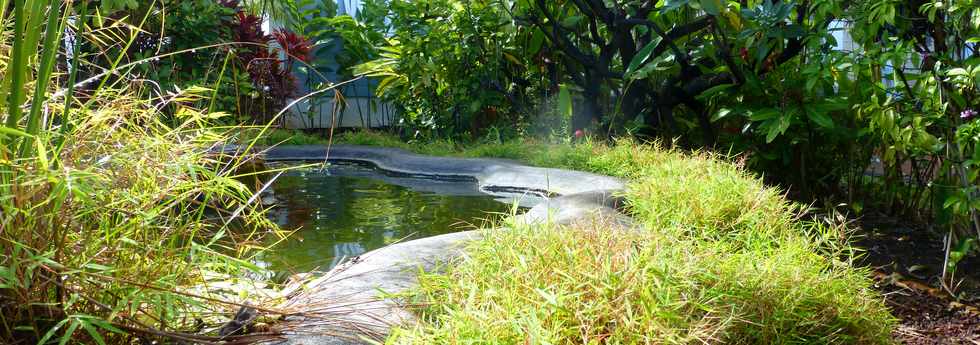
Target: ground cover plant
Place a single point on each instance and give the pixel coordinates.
(720, 258)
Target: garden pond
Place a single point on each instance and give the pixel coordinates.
(343, 210)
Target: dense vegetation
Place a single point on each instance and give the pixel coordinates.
(882, 121)
(114, 212)
(720, 259)
(114, 209)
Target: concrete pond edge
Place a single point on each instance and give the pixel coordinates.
(355, 302)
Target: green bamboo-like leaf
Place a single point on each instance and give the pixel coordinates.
(14, 132)
(51, 332)
(92, 331)
(70, 332)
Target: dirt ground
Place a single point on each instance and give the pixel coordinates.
(926, 319)
(907, 261)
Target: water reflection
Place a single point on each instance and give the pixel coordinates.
(346, 210)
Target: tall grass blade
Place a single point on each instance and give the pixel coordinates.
(3, 16)
(52, 32)
(73, 72)
(17, 69)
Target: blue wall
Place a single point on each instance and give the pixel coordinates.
(328, 67)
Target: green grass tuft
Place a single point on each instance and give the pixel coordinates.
(721, 259)
(107, 232)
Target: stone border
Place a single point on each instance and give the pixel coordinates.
(346, 305)
(490, 173)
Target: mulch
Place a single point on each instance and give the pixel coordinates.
(907, 260)
(928, 318)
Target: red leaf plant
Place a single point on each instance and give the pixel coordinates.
(268, 66)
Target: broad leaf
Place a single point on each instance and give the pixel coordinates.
(537, 39)
(712, 7)
(820, 118)
(564, 101)
(643, 55)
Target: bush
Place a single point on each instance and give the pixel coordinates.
(110, 219)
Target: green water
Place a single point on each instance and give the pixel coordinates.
(347, 210)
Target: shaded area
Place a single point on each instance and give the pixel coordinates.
(346, 210)
(908, 260)
(914, 251)
(928, 319)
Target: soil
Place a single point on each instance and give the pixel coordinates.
(927, 319)
(907, 261)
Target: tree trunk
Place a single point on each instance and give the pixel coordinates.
(591, 110)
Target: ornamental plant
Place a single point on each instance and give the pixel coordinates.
(250, 71)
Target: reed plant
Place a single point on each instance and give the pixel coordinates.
(111, 220)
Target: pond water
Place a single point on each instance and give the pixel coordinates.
(346, 210)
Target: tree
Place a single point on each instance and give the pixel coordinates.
(657, 56)
(454, 67)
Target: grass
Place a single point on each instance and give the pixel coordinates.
(587, 284)
(721, 259)
(125, 216)
(110, 219)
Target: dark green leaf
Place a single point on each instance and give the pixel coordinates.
(642, 56)
(820, 118)
(712, 7)
(537, 39)
(763, 114)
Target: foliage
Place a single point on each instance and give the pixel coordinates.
(452, 66)
(249, 71)
(106, 211)
(359, 37)
(720, 259)
(291, 14)
(882, 120)
(920, 112)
